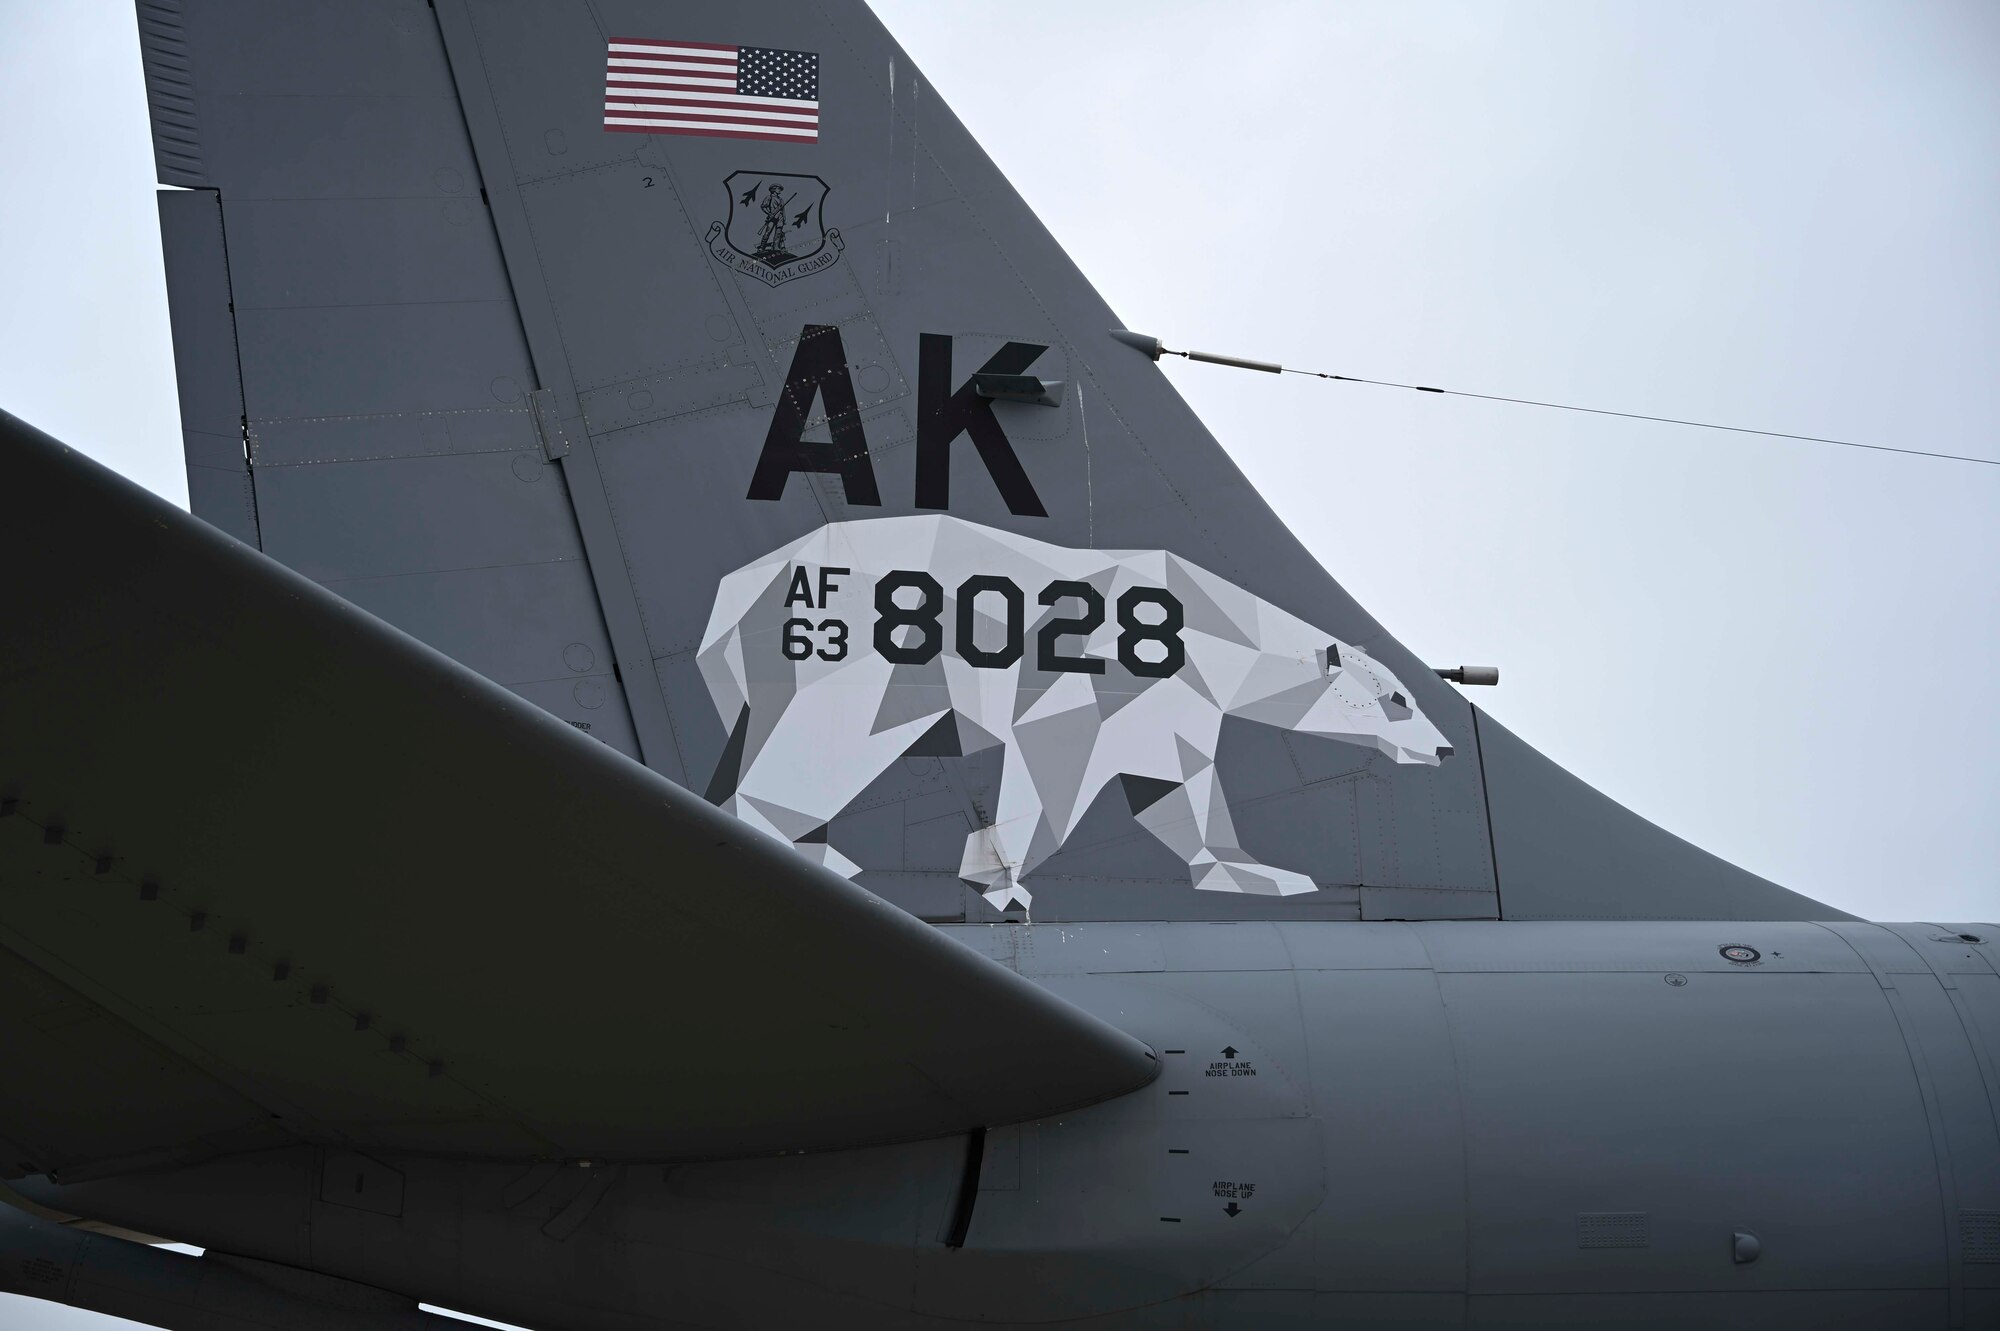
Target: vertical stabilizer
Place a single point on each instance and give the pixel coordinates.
(690, 370)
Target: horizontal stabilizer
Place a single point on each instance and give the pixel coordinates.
(272, 870)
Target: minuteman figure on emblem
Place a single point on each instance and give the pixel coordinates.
(776, 230)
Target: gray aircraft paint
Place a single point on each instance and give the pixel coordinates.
(1465, 1124)
(1556, 1115)
(425, 482)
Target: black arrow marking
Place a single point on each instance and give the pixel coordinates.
(1233, 1210)
(1229, 1052)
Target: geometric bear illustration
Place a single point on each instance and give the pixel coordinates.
(868, 641)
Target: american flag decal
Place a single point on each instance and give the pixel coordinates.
(724, 92)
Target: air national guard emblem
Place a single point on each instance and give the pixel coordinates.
(775, 231)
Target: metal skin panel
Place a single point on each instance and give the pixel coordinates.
(368, 48)
(522, 624)
(516, 628)
(50, 1033)
(1966, 1136)
(411, 526)
(607, 306)
(1770, 1102)
(211, 391)
(1412, 1149)
(1393, 1216)
(1932, 978)
(557, 404)
(302, 253)
(1948, 949)
(223, 496)
(354, 361)
(378, 332)
(1596, 945)
(337, 146)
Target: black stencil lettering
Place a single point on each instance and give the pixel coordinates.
(1167, 632)
(1010, 649)
(943, 415)
(1047, 655)
(794, 642)
(819, 369)
(923, 617)
(836, 642)
(800, 591)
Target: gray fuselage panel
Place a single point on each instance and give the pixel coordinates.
(1437, 1125)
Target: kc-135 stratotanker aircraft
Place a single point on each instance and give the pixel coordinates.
(721, 750)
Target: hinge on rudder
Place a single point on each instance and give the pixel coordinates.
(548, 428)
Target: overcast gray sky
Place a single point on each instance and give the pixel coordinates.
(1776, 215)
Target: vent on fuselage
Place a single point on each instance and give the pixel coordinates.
(1979, 1236)
(1611, 1229)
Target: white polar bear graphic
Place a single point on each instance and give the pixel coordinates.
(810, 732)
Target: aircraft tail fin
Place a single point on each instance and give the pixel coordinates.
(692, 372)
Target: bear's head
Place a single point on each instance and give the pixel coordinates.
(1362, 701)
(1305, 681)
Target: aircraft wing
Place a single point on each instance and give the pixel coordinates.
(272, 870)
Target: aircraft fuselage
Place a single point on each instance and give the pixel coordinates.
(1440, 1124)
